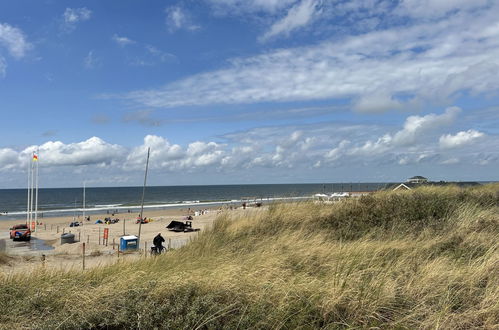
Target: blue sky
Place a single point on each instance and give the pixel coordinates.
(248, 91)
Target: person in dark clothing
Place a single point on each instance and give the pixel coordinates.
(158, 243)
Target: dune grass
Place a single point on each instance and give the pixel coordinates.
(426, 258)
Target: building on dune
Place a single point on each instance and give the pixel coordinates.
(419, 181)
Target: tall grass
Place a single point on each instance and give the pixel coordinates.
(421, 259)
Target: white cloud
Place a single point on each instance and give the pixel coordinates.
(90, 61)
(160, 55)
(250, 6)
(436, 8)
(450, 161)
(335, 153)
(178, 19)
(298, 16)
(163, 154)
(460, 139)
(416, 126)
(3, 67)
(93, 151)
(14, 40)
(8, 159)
(122, 41)
(416, 131)
(376, 103)
(143, 117)
(284, 150)
(400, 67)
(75, 15)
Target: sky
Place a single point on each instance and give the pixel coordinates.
(248, 91)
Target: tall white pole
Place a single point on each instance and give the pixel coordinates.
(144, 192)
(83, 200)
(36, 194)
(32, 191)
(29, 193)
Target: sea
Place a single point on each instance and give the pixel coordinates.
(54, 202)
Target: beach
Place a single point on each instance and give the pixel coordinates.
(45, 248)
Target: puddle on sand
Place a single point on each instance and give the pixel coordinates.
(34, 244)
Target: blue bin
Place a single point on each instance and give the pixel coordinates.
(129, 243)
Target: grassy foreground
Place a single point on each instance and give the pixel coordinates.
(421, 259)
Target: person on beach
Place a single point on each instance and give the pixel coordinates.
(158, 243)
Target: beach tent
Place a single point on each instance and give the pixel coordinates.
(179, 226)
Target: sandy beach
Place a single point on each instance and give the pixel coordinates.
(45, 248)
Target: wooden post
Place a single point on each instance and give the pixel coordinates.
(145, 249)
(113, 244)
(83, 256)
(63, 230)
(99, 235)
(124, 227)
(58, 229)
(118, 251)
(88, 239)
(169, 243)
(45, 227)
(79, 235)
(43, 260)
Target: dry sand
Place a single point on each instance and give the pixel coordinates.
(20, 256)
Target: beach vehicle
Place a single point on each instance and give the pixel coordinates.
(20, 233)
(179, 226)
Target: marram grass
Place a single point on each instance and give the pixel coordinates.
(423, 259)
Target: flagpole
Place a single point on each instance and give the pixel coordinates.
(29, 193)
(83, 200)
(36, 194)
(32, 191)
(144, 191)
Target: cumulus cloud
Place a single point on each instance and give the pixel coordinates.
(14, 40)
(163, 154)
(8, 159)
(392, 68)
(178, 19)
(287, 150)
(72, 16)
(93, 151)
(415, 132)
(75, 15)
(298, 16)
(122, 41)
(416, 126)
(460, 139)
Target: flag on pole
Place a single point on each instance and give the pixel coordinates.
(35, 157)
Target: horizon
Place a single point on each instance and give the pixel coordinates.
(233, 92)
(256, 184)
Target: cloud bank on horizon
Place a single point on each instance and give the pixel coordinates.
(233, 91)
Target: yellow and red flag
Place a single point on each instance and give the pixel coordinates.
(35, 157)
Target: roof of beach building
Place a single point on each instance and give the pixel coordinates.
(418, 177)
(412, 185)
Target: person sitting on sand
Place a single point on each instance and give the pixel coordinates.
(158, 243)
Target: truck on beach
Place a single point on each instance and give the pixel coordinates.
(20, 233)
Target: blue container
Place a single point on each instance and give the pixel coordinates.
(129, 243)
